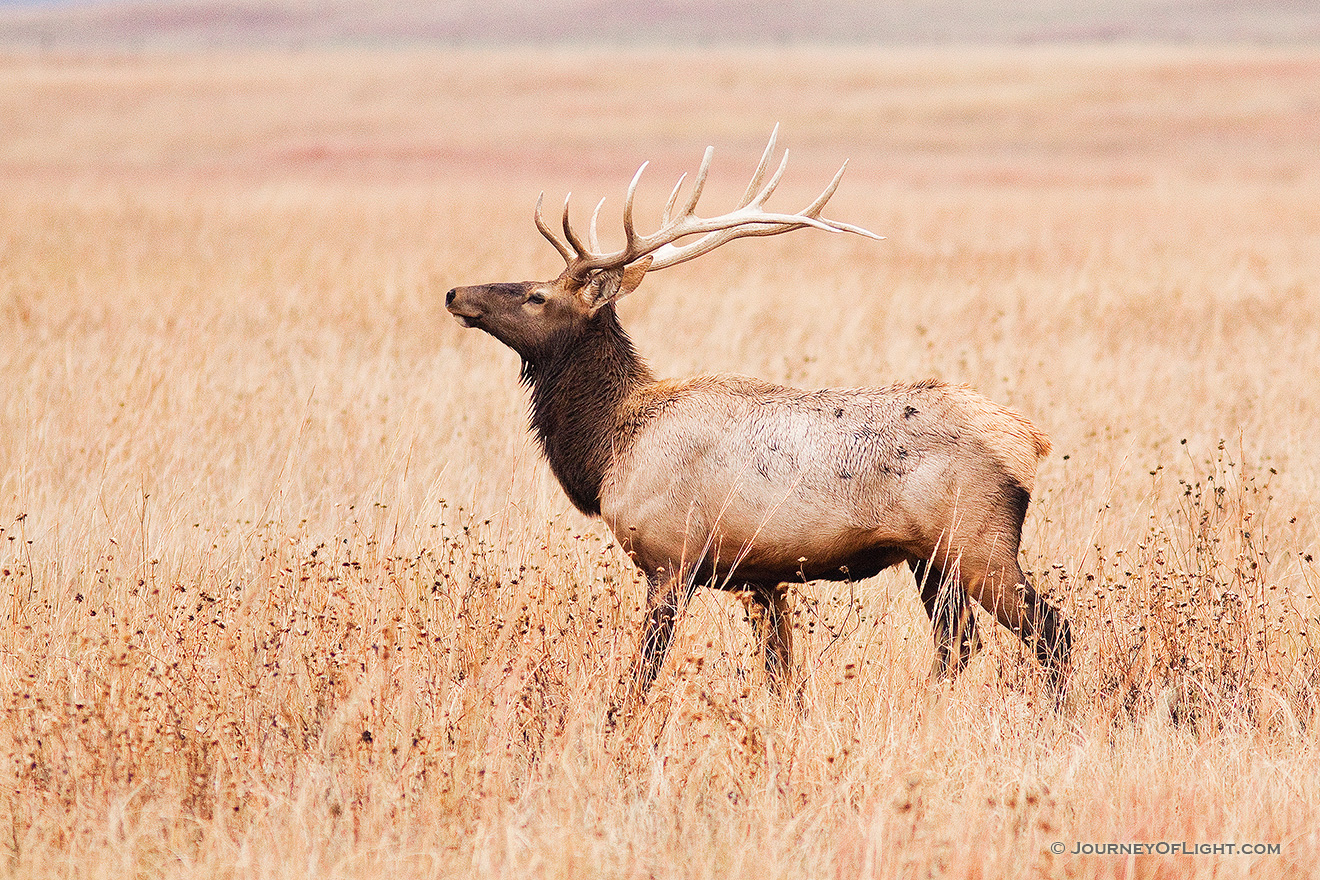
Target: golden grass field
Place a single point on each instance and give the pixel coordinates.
(288, 592)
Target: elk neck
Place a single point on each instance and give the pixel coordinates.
(581, 383)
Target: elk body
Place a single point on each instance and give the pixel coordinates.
(747, 485)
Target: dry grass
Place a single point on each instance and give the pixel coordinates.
(287, 591)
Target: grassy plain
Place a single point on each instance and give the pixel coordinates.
(287, 591)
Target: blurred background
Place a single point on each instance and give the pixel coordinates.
(298, 23)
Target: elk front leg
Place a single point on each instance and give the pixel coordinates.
(951, 619)
(772, 624)
(666, 597)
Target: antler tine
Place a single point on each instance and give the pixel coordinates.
(699, 184)
(760, 169)
(814, 209)
(629, 231)
(673, 200)
(592, 238)
(759, 201)
(836, 226)
(548, 232)
(573, 240)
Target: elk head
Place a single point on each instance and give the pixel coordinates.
(531, 316)
(528, 316)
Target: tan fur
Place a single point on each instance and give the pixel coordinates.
(1018, 443)
(763, 475)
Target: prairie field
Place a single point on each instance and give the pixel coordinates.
(288, 590)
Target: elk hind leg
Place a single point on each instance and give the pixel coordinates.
(1003, 589)
(952, 620)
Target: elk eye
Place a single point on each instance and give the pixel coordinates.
(536, 297)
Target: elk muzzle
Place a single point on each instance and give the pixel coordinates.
(459, 303)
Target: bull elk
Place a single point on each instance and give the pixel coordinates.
(747, 485)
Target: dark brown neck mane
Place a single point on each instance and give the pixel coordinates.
(580, 382)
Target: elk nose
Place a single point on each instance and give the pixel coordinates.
(449, 297)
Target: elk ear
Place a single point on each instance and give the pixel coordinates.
(609, 286)
(633, 275)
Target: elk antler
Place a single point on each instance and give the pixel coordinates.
(749, 218)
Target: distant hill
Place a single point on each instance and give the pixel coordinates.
(235, 23)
